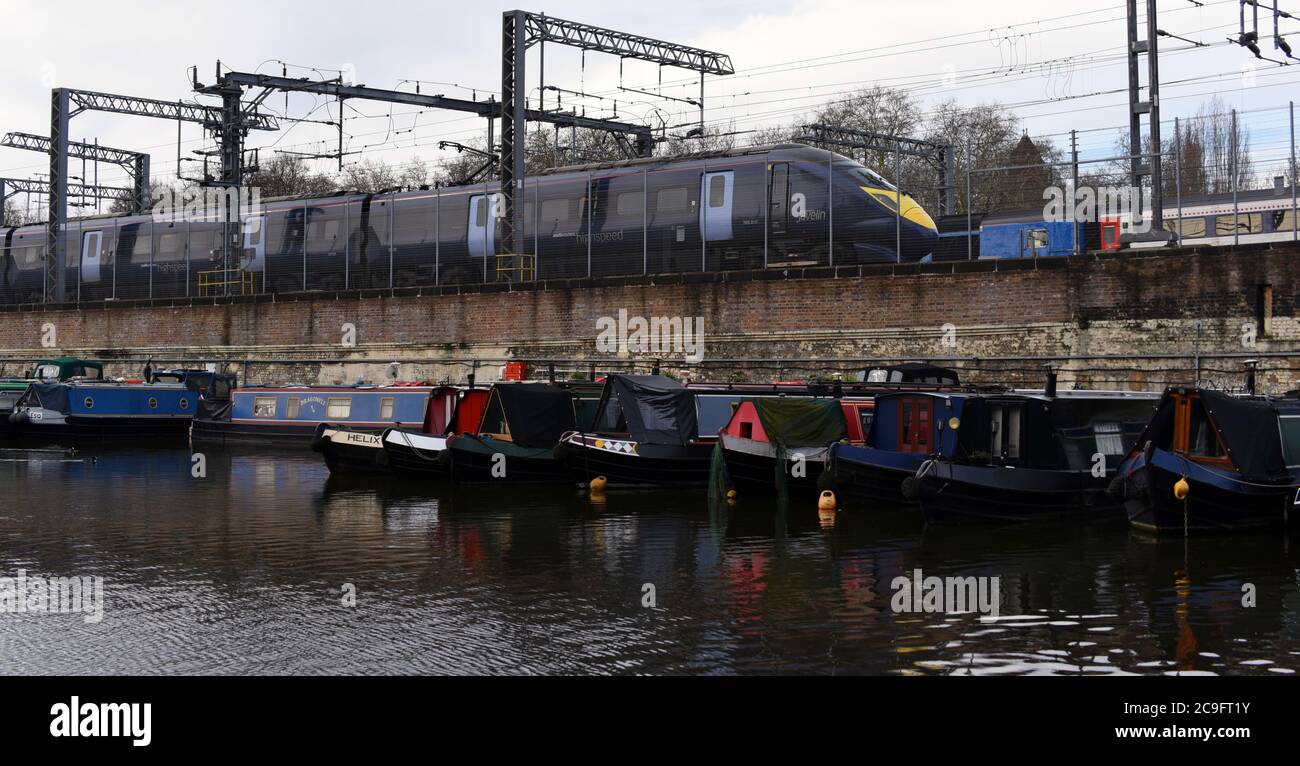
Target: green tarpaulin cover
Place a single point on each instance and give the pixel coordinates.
(791, 422)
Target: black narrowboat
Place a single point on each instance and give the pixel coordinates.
(650, 430)
(1210, 461)
(1024, 456)
(515, 441)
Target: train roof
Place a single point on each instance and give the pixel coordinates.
(792, 150)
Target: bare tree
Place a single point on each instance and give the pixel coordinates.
(288, 176)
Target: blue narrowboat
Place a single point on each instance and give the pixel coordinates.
(289, 415)
(78, 409)
(907, 428)
(1028, 455)
(1212, 462)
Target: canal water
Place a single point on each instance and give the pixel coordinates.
(268, 566)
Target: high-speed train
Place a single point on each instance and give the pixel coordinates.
(761, 207)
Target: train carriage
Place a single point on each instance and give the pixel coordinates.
(761, 207)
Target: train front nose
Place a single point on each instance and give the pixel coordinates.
(921, 235)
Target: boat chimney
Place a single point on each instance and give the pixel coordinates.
(655, 369)
(837, 390)
(550, 372)
(1250, 365)
(473, 373)
(1050, 388)
(591, 372)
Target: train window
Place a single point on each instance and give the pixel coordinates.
(672, 200)
(1193, 227)
(140, 251)
(29, 257)
(169, 248)
(630, 203)
(453, 220)
(555, 210)
(717, 191)
(480, 210)
(408, 228)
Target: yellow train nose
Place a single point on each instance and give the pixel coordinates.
(910, 209)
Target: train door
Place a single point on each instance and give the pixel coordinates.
(716, 190)
(254, 243)
(91, 250)
(778, 198)
(484, 211)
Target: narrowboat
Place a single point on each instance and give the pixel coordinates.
(906, 429)
(779, 444)
(1210, 462)
(44, 371)
(418, 453)
(76, 409)
(515, 441)
(288, 416)
(350, 450)
(650, 430)
(1022, 456)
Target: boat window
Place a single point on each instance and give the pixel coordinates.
(1110, 437)
(386, 408)
(264, 407)
(864, 416)
(153, 403)
(611, 417)
(1004, 422)
(1202, 440)
(47, 372)
(339, 408)
(1290, 427)
(292, 407)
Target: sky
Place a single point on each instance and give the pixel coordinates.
(1059, 66)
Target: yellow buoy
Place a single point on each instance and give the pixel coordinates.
(827, 501)
(597, 485)
(1181, 488)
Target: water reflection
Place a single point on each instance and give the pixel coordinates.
(245, 571)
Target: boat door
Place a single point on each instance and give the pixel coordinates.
(915, 421)
(254, 245)
(91, 250)
(484, 212)
(715, 214)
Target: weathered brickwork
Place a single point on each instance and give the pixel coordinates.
(771, 324)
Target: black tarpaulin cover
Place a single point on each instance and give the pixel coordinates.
(51, 396)
(658, 410)
(1250, 430)
(536, 414)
